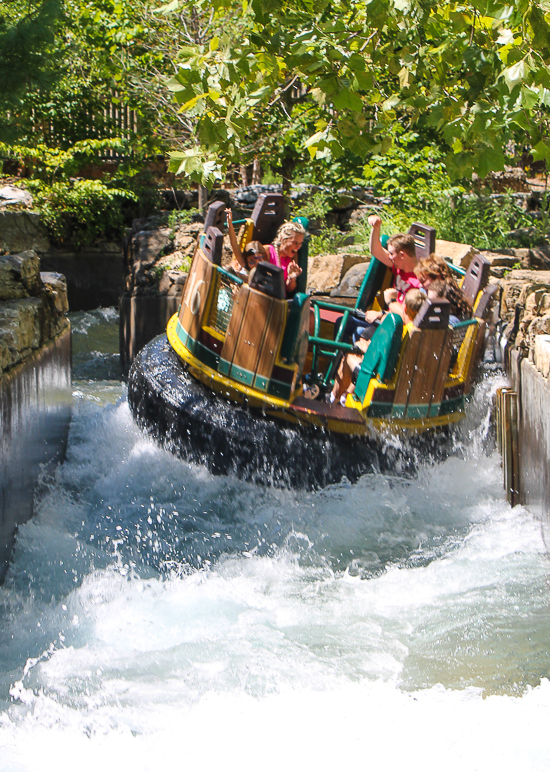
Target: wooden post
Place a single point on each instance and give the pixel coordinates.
(507, 440)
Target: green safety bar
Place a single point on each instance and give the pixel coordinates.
(325, 346)
(456, 269)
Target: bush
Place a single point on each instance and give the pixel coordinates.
(483, 222)
(327, 242)
(82, 211)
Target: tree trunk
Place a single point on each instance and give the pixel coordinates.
(256, 172)
(244, 175)
(287, 169)
(203, 197)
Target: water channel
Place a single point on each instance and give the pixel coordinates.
(154, 614)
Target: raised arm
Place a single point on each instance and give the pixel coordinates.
(376, 248)
(233, 239)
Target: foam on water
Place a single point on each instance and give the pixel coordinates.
(154, 614)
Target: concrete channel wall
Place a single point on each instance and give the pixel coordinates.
(35, 386)
(523, 428)
(35, 410)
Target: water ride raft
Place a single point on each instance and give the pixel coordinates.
(231, 384)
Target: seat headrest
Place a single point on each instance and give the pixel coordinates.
(434, 315)
(424, 239)
(215, 215)
(268, 216)
(211, 244)
(269, 279)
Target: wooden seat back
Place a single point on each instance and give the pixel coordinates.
(476, 278)
(211, 244)
(268, 215)
(424, 239)
(253, 338)
(484, 305)
(215, 215)
(269, 279)
(424, 363)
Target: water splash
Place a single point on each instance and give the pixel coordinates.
(156, 614)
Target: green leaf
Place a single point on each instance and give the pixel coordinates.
(167, 8)
(516, 73)
(541, 151)
(347, 100)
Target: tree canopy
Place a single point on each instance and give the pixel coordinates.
(331, 78)
(303, 85)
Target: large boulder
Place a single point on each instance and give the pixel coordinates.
(10, 195)
(351, 283)
(325, 272)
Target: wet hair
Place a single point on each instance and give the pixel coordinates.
(287, 231)
(433, 267)
(255, 248)
(403, 242)
(451, 291)
(414, 300)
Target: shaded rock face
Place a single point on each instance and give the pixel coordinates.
(153, 250)
(351, 283)
(20, 231)
(155, 257)
(19, 275)
(33, 308)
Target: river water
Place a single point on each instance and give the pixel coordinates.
(156, 615)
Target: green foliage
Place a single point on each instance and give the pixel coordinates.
(410, 172)
(47, 163)
(287, 80)
(83, 211)
(28, 33)
(316, 207)
(328, 242)
(483, 222)
(181, 217)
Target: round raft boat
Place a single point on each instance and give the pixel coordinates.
(230, 384)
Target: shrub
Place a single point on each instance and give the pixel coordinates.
(83, 211)
(482, 221)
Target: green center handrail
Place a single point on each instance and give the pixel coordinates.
(325, 346)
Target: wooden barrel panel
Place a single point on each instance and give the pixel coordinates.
(406, 374)
(234, 330)
(270, 346)
(253, 330)
(195, 298)
(442, 372)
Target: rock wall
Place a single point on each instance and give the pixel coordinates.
(35, 385)
(94, 275)
(155, 258)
